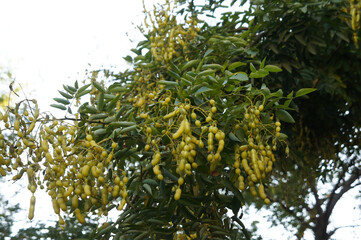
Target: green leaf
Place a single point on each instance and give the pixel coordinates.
(284, 116)
(118, 89)
(206, 73)
(202, 90)
(98, 86)
(100, 102)
(168, 83)
(80, 94)
(62, 101)
(100, 131)
(189, 64)
(304, 91)
(290, 95)
(64, 94)
(253, 69)
(229, 185)
(212, 66)
(173, 74)
(61, 107)
(98, 116)
(91, 109)
(83, 88)
(148, 189)
(301, 39)
(262, 63)
(272, 68)
(233, 137)
(258, 74)
(128, 59)
(240, 77)
(150, 181)
(71, 90)
(235, 65)
(208, 52)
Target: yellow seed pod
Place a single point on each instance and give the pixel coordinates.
(69, 191)
(44, 145)
(31, 127)
(121, 205)
(87, 190)
(56, 206)
(79, 216)
(17, 125)
(31, 212)
(253, 191)
(75, 201)
(194, 165)
(85, 170)
(95, 172)
(170, 115)
(177, 194)
(2, 172)
(261, 191)
(180, 130)
(49, 158)
(156, 170)
(115, 192)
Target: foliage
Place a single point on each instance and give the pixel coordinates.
(6, 212)
(72, 230)
(317, 43)
(175, 141)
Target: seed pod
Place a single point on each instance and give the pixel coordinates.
(180, 130)
(17, 125)
(31, 127)
(87, 190)
(74, 201)
(31, 212)
(79, 216)
(261, 191)
(56, 206)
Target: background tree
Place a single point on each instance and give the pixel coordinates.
(317, 43)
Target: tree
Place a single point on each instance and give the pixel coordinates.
(6, 212)
(72, 230)
(317, 43)
(175, 141)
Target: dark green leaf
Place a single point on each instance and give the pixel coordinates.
(62, 101)
(61, 107)
(64, 94)
(304, 91)
(284, 116)
(202, 90)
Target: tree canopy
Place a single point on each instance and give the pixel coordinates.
(203, 119)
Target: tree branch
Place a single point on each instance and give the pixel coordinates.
(318, 202)
(337, 228)
(347, 185)
(287, 209)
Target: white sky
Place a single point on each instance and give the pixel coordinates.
(47, 43)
